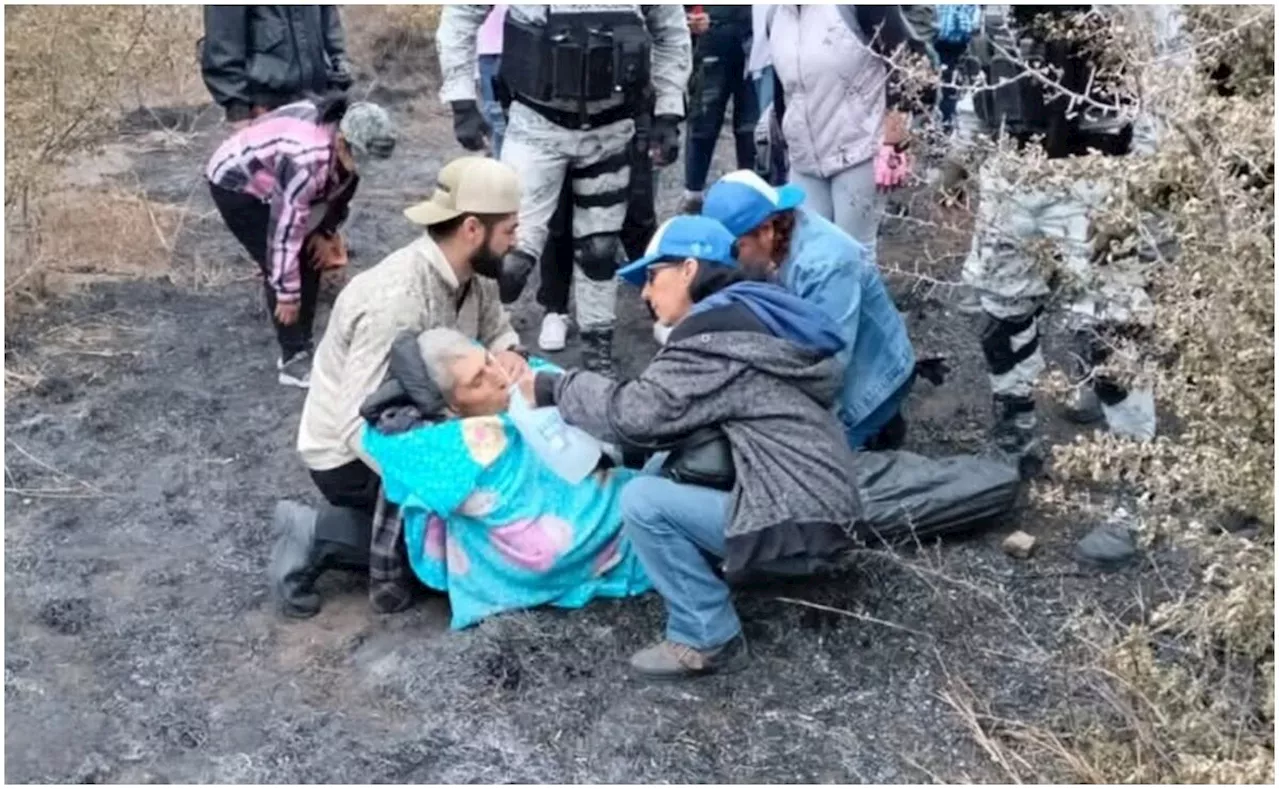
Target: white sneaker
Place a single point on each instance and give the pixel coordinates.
(554, 330)
(296, 371)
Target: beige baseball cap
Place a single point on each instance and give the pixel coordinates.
(469, 185)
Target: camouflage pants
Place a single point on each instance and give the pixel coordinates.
(596, 162)
(1028, 240)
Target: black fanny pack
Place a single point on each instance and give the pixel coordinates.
(585, 56)
(705, 458)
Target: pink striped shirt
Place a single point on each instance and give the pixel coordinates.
(283, 158)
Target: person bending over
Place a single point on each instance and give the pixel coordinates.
(825, 266)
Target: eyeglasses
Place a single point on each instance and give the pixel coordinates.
(659, 265)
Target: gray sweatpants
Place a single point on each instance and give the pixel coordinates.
(596, 162)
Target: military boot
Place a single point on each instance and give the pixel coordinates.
(1014, 433)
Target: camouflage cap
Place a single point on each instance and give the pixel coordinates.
(367, 129)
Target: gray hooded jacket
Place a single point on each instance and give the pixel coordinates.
(795, 499)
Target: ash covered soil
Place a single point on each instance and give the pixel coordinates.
(141, 644)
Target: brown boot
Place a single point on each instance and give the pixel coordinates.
(669, 660)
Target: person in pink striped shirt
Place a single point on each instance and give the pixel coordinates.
(283, 185)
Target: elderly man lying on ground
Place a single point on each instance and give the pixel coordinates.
(484, 518)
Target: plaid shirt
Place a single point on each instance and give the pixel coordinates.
(282, 158)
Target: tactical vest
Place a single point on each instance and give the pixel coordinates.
(579, 53)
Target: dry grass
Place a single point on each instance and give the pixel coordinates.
(380, 35)
(74, 238)
(71, 75)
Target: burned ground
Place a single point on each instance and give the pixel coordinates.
(143, 461)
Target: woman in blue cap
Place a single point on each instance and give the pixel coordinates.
(825, 266)
(754, 475)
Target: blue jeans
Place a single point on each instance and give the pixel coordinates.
(491, 107)
(674, 528)
(860, 434)
(720, 65)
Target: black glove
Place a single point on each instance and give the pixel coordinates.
(516, 267)
(469, 126)
(664, 139)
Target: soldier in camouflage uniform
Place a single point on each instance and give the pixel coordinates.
(575, 76)
(1029, 236)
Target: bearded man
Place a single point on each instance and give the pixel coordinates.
(470, 224)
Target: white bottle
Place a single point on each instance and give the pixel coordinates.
(567, 450)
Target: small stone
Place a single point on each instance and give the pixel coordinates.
(1019, 545)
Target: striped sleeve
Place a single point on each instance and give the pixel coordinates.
(300, 179)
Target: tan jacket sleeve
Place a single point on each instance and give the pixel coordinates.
(365, 368)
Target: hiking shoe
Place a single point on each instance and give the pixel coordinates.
(296, 371)
(669, 660)
(555, 328)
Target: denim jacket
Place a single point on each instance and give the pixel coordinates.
(831, 270)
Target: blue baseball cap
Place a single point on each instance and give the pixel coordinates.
(681, 237)
(742, 201)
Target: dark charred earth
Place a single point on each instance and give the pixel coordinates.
(141, 644)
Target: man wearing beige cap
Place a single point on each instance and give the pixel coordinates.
(470, 225)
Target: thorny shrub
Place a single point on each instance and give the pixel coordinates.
(1185, 694)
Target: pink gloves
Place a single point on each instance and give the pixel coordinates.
(892, 167)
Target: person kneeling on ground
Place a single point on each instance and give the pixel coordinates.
(483, 517)
(283, 186)
(825, 266)
(471, 224)
(758, 475)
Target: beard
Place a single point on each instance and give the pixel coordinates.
(484, 261)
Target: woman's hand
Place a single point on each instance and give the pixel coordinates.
(287, 313)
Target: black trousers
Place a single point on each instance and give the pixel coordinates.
(249, 220)
(352, 495)
(556, 266)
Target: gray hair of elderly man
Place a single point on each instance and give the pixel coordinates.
(440, 348)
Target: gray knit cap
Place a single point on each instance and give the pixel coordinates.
(368, 130)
